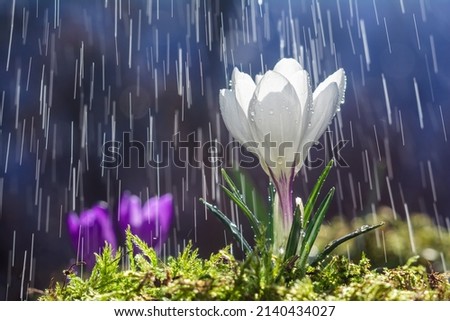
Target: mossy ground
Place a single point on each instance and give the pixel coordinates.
(222, 277)
(391, 245)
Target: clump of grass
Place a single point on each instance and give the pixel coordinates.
(222, 277)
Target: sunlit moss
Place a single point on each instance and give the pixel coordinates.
(222, 277)
(391, 245)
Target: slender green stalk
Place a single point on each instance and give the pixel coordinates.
(312, 230)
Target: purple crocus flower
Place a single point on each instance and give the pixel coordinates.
(151, 222)
(89, 231)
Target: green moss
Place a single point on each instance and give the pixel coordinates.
(390, 245)
(221, 277)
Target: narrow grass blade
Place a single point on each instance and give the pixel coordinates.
(309, 206)
(294, 235)
(253, 200)
(251, 217)
(334, 244)
(312, 230)
(229, 181)
(237, 234)
(234, 193)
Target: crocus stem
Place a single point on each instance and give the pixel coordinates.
(283, 210)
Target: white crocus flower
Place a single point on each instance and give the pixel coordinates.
(279, 117)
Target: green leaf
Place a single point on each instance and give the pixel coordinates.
(238, 199)
(247, 188)
(229, 182)
(251, 217)
(232, 227)
(309, 206)
(334, 244)
(312, 230)
(294, 235)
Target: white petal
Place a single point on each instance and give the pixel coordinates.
(243, 86)
(306, 100)
(258, 78)
(273, 112)
(287, 67)
(339, 78)
(299, 79)
(233, 116)
(325, 106)
(301, 83)
(326, 100)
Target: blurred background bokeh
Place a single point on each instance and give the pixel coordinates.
(74, 74)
